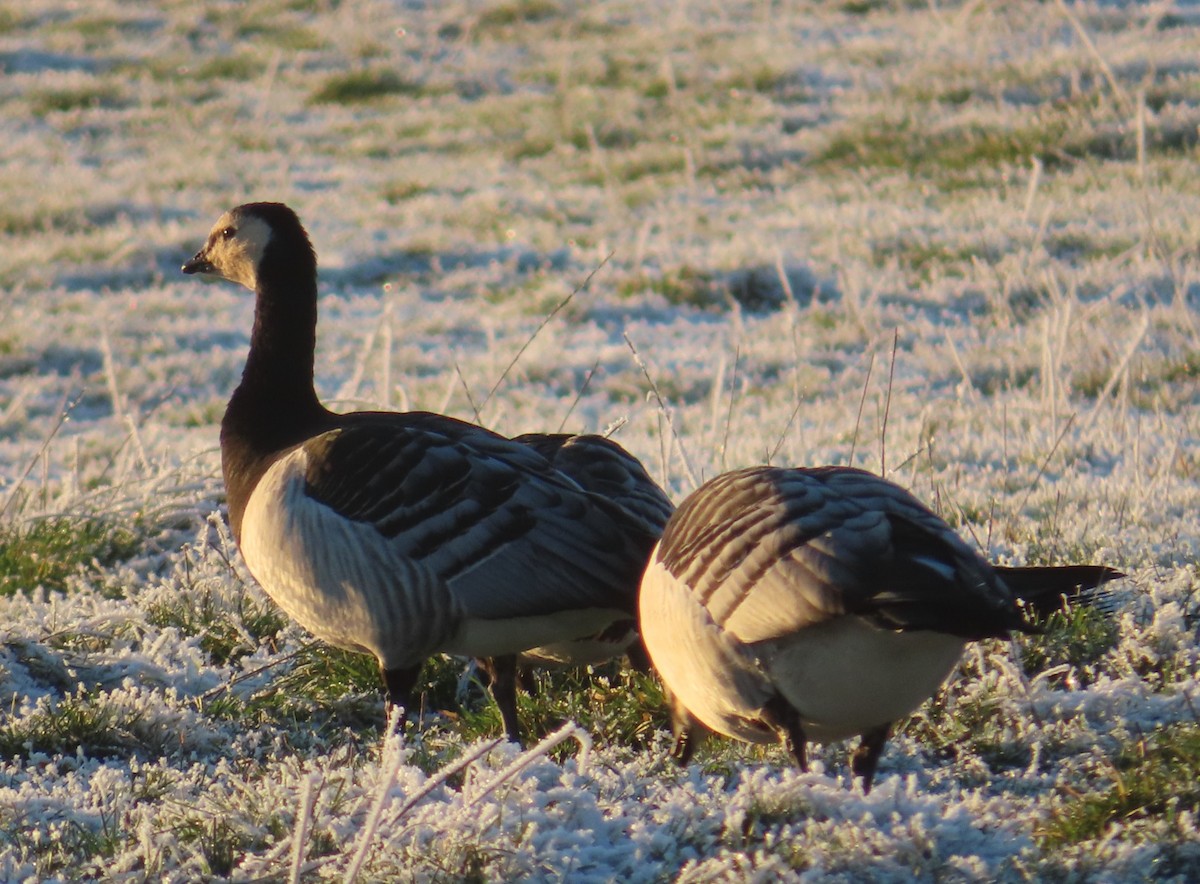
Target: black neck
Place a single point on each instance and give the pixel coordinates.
(275, 405)
(282, 343)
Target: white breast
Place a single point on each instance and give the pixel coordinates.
(339, 579)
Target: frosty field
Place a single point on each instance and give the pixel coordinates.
(954, 243)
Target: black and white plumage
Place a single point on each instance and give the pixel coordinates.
(602, 467)
(820, 604)
(401, 535)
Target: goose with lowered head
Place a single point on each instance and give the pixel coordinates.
(821, 604)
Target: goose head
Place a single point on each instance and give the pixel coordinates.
(243, 240)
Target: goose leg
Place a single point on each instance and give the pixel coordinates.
(866, 757)
(785, 718)
(639, 657)
(399, 684)
(685, 744)
(684, 728)
(686, 738)
(502, 672)
(526, 681)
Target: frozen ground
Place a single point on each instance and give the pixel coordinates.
(951, 241)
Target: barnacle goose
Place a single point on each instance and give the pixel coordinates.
(402, 535)
(819, 604)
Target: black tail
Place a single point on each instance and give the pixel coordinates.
(1048, 589)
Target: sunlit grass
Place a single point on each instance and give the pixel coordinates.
(1079, 638)
(1154, 777)
(966, 177)
(46, 553)
(359, 87)
(84, 97)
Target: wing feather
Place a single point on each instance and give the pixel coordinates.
(599, 465)
(457, 497)
(769, 551)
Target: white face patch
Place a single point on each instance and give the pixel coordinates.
(235, 248)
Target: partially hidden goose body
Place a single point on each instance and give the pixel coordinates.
(600, 466)
(820, 604)
(401, 535)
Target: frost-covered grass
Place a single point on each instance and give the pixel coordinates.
(952, 242)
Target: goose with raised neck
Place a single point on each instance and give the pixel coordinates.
(403, 534)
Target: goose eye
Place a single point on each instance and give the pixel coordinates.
(228, 233)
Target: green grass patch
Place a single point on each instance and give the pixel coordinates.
(221, 835)
(762, 78)
(923, 258)
(84, 722)
(680, 286)
(1152, 383)
(59, 729)
(243, 66)
(946, 153)
(199, 414)
(966, 720)
(862, 7)
(17, 221)
(963, 154)
(532, 147)
(616, 704)
(46, 553)
(361, 87)
(50, 101)
(319, 691)
(64, 846)
(631, 71)
(1080, 637)
(331, 689)
(1185, 368)
(1157, 777)
(606, 134)
(668, 162)
(399, 191)
(1079, 247)
(262, 25)
(291, 37)
(104, 30)
(516, 12)
(326, 681)
(10, 20)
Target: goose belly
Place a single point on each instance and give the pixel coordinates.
(548, 638)
(845, 676)
(612, 640)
